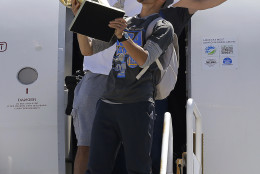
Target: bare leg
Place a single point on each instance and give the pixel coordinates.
(81, 160)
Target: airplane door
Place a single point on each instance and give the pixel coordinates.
(225, 84)
(32, 88)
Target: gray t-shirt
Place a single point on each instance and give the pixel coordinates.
(122, 85)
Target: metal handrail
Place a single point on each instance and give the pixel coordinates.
(192, 110)
(167, 146)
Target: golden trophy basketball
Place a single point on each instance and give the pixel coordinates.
(67, 3)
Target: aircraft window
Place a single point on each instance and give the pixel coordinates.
(27, 75)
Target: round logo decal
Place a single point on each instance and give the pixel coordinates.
(210, 50)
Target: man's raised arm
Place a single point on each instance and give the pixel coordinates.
(194, 5)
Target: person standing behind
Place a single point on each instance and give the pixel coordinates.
(90, 89)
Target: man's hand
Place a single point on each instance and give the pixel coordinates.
(75, 6)
(135, 51)
(119, 25)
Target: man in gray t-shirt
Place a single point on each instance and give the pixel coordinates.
(126, 111)
(122, 86)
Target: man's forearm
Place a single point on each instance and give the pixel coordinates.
(85, 45)
(199, 4)
(136, 52)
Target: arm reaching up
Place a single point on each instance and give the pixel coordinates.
(194, 5)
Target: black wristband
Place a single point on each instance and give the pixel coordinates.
(124, 37)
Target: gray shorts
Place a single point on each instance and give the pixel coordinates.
(86, 94)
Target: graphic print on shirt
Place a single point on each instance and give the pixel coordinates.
(122, 58)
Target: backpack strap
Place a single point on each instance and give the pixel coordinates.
(176, 47)
(149, 31)
(150, 27)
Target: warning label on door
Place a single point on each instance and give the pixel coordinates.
(26, 104)
(219, 53)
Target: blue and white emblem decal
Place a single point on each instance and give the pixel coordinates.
(227, 61)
